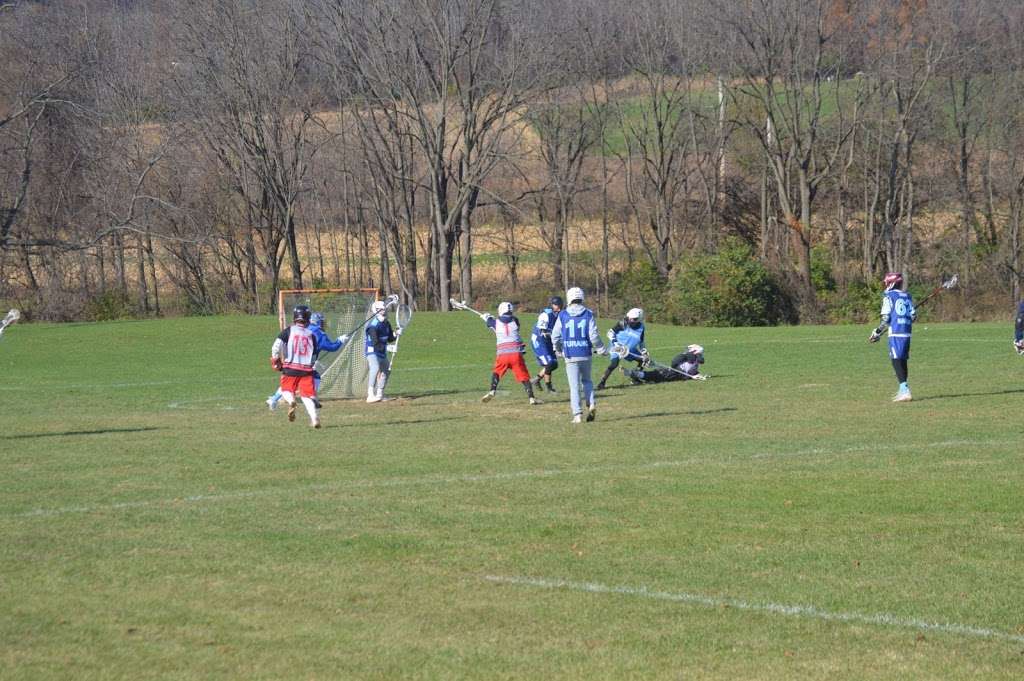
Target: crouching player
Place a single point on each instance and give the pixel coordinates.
(685, 367)
(294, 354)
(1018, 330)
(898, 315)
(510, 351)
(575, 336)
(628, 336)
(324, 344)
(540, 339)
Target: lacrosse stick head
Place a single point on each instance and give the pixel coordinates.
(12, 317)
(620, 350)
(951, 282)
(403, 315)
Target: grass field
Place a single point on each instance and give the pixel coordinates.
(782, 520)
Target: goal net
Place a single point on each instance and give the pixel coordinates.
(343, 374)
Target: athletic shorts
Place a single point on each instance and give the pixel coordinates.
(512, 361)
(899, 347)
(303, 386)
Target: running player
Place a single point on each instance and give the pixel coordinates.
(510, 351)
(540, 339)
(627, 334)
(293, 354)
(575, 336)
(898, 316)
(324, 344)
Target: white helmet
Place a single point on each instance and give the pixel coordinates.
(636, 314)
(695, 349)
(504, 308)
(379, 308)
(574, 295)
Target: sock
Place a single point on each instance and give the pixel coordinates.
(494, 382)
(288, 397)
(310, 406)
(529, 388)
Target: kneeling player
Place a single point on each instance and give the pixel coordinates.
(510, 351)
(540, 339)
(628, 336)
(685, 367)
(294, 354)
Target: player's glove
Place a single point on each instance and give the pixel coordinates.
(275, 362)
(391, 347)
(645, 358)
(343, 338)
(875, 335)
(398, 332)
(603, 350)
(486, 316)
(1019, 346)
(611, 334)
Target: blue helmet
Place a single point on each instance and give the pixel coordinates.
(317, 319)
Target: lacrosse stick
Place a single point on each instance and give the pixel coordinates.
(390, 301)
(944, 286)
(695, 377)
(403, 315)
(9, 319)
(461, 305)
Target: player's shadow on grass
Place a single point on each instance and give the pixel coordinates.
(957, 395)
(657, 414)
(430, 393)
(72, 433)
(406, 422)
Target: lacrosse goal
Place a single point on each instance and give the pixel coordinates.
(343, 374)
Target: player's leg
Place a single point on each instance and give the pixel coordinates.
(613, 364)
(274, 399)
(384, 373)
(900, 354)
(588, 388)
(522, 374)
(373, 364)
(500, 367)
(307, 393)
(549, 370)
(572, 372)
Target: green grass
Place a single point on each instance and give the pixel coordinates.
(157, 522)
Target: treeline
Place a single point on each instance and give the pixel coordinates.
(770, 157)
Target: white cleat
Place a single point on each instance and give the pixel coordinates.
(372, 398)
(534, 400)
(272, 403)
(591, 413)
(577, 418)
(903, 397)
(488, 396)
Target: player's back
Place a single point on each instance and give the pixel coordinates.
(900, 308)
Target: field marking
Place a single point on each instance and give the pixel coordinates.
(481, 477)
(805, 611)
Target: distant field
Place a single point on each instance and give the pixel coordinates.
(782, 520)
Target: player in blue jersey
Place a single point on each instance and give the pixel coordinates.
(898, 315)
(575, 336)
(627, 337)
(540, 339)
(379, 337)
(1018, 330)
(324, 344)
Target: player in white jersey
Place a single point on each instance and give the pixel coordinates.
(294, 355)
(510, 351)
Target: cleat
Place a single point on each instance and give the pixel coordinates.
(591, 413)
(372, 398)
(534, 400)
(902, 397)
(316, 403)
(291, 411)
(488, 396)
(551, 388)
(272, 403)
(577, 419)
(600, 386)
(316, 424)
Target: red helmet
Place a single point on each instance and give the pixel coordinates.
(893, 280)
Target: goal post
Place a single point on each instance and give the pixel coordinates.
(343, 374)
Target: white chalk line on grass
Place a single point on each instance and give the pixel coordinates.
(805, 611)
(475, 478)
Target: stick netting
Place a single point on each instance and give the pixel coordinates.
(343, 374)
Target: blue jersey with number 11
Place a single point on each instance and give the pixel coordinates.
(576, 334)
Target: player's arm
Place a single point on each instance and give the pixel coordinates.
(556, 336)
(595, 338)
(326, 344)
(374, 338)
(1018, 327)
(490, 321)
(614, 331)
(884, 324)
(277, 350)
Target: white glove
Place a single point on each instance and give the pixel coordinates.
(873, 338)
(486, 315)
(398, 332)
(343, 338)
(391, 347)
(603, 350)
(611, 334)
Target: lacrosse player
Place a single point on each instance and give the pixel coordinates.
(898, 316)
(379, 337)
(540, 339)
(510, 351)
(628, 334)
(294, 354)
(684, 367)
(575, 336)
(324, 344)
(1018, 330)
